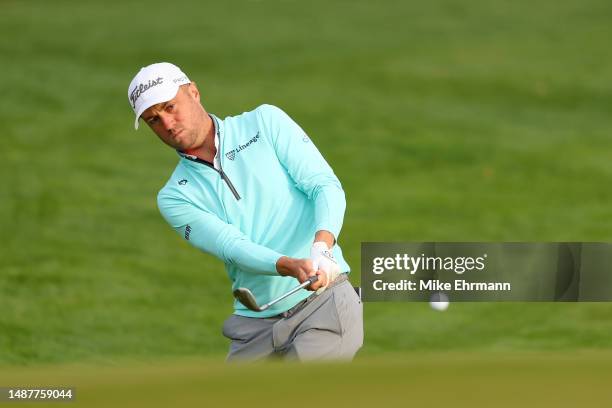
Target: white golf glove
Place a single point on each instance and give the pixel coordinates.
(323, 259)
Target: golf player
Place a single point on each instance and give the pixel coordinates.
(254, 191)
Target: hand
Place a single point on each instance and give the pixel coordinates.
(301, 269)
(323, 261)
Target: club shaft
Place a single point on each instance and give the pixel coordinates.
(291, 292)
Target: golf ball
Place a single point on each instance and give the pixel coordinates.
(439, 301)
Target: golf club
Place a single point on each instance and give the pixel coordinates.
(245, 296)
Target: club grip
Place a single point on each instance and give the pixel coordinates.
(312, 280)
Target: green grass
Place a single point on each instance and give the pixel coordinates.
(445, 120)
(424, 380)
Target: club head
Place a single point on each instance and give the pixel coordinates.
(245, 296)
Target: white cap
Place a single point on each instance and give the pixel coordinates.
(154, 84)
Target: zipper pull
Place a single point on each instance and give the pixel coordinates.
(229, 183)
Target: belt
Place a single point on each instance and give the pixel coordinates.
(341, 278)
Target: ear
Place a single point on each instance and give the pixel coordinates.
(192, 89)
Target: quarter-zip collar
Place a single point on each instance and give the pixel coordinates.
(217, 126)
(216, 165)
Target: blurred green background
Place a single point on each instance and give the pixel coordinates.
(444, 120)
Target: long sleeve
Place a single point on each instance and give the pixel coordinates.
(307, 167)
(208, 233)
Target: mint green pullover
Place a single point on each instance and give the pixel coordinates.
(270, 193)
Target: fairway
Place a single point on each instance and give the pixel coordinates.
(397, 380)
(444, 120)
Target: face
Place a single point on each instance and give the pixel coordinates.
(179, 123)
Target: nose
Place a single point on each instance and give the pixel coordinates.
(167, 122)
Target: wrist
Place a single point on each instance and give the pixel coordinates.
(282, 266)
(326, 237)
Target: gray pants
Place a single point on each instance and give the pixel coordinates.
(324, 326)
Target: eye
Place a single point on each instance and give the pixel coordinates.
(152, 121)
(170, 107)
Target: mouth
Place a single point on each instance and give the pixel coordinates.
(177, 135)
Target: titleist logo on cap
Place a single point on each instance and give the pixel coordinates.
(142, 88)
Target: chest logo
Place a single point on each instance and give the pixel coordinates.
(231, 155)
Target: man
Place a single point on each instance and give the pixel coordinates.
(254, 191)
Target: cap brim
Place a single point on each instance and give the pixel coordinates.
(156, 98)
